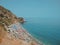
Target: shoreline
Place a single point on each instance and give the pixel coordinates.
(24, 33)
(29, 35)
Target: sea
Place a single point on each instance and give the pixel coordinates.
(46, 30)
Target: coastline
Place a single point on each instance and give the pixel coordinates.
(14, 30)
(36, 40)
(31, 38)
(39, 42)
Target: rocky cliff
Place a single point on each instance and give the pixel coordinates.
(12, 32)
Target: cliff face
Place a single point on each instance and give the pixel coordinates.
(11, 31)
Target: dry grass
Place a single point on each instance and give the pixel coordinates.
(2, 32)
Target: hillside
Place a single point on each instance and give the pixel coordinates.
(12, 32)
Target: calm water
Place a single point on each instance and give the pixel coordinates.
(46, 30)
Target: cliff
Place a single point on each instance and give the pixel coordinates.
(12, 32)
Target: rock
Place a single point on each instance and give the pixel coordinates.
(21, 19)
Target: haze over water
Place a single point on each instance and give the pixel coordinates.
(44, 29)
(42, 16)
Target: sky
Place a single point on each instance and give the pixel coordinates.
(33, 8)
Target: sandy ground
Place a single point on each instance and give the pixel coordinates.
(11, 41)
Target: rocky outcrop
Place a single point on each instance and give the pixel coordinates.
(21, 20)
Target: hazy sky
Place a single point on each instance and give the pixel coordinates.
(33, 8)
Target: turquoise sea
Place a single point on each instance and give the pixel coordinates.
(46, 30)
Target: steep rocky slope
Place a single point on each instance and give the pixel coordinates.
(11, 31)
